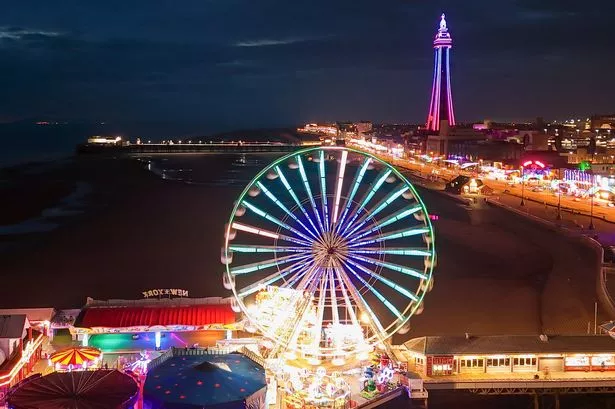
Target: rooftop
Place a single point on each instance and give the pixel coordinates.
(152, 316)
(511, 344)
(33, 314)
(12, 326)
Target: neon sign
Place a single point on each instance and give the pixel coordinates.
(160, 292)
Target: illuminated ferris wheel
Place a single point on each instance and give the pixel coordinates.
(328, 251)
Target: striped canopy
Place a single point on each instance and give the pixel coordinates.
(75, 356)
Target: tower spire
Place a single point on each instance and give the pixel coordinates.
(443, 23)
(441, 105)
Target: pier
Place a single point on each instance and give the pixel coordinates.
(165, 148)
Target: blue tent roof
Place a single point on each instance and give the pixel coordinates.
(187, 382)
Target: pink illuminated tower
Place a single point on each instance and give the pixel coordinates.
(441, 105)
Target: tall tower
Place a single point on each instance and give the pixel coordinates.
(441, 105)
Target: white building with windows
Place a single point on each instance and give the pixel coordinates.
(445, 356)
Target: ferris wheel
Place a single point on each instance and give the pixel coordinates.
(329, 251)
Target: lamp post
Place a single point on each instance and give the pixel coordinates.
(559, 202)
(591, 206)
(522, 186)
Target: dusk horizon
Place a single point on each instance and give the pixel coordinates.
(239, 65)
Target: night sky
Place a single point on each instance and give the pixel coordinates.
(228, 64)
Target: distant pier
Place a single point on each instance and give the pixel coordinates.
(213, 147)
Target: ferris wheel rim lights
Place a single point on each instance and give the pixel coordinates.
(321, 237)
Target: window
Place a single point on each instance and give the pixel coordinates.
(498, 362)
(524, 361)
(471, 363)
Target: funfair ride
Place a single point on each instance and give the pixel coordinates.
(329, 251)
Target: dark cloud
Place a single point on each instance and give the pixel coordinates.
(240, 63)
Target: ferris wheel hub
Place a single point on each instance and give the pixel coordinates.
(330, 249)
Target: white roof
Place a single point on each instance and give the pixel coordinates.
(12, 326)
(33, 314)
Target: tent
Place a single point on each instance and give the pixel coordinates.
(102, 389)
(226, 381)
(76, 356)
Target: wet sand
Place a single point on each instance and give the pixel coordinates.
(142, 232)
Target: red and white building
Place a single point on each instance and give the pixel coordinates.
(20, 349)
(164, 315)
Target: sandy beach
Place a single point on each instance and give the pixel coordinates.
(139, 231)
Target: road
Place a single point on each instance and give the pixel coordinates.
(582, 205)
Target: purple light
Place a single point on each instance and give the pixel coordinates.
(442, 45)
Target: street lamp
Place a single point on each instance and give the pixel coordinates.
(522, 186)
(559, 202)
(591, 206)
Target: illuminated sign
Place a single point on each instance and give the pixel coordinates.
(161, 292)
(577, 361)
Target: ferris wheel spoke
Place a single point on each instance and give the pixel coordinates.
(295, 198)
(368, 196)
(383, 223)
(391, 266)
(270, 279)
(349, 308)
(355, 187)
(306, 184)
(320, 312)
(281, 205)
(275, 220)
(397, 251)
(262, 265)
(248, 248)
(378, 295)
(306, 269)
(393, 235)
(380, 206)
(338, 187)
(363, 305)
(266, 233)
(323, 190)
(301, 272)
(334, 311)
(386, 281)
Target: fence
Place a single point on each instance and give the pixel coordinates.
(173, 351)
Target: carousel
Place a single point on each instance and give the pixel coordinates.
(76, 358)
(102, 389)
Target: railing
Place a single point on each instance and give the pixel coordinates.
(252, 356)
(381, 399)
(173, 351)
